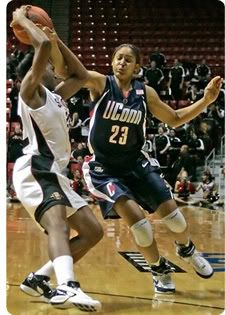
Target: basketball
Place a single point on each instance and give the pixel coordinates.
(36, 15)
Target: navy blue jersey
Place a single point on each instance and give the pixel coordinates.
(117, 126)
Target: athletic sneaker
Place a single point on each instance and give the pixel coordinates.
(70, 295)
(189, 254)
(38, 286)
(161, 277)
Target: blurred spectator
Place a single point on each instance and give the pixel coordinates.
(149, 145)
(202, 74)
(162, 144)
(154, 76)
(196, 144)
(14, 100)
(183, 186)
(193, 94)
(85, 129)
(80, 160)
(15, 145)
(176, 80)
(81, 150)
(175, 144)
(174, 140)
(208, 187)
(215, 111)
(184, 161)
(141, 74)
(78, 183)
(215, 114)
(223, 170)
(203, 133)
(158, 57)
(75, 127)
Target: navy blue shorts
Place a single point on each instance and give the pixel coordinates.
(144, 184)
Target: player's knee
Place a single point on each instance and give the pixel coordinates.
(96, 235)
(175, 221)
(142, 232)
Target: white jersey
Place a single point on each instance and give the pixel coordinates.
(38, 176)
(46, 130)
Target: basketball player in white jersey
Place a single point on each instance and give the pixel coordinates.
(38, 176)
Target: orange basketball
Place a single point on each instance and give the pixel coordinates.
(38, 16)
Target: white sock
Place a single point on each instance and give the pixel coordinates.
(184, 245)
(63, 266)
(46, 270)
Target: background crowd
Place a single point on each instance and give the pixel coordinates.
(178, 82)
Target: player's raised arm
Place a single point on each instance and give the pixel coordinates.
(42, 47)
(71, 70)
(175, 118)
(67, 65)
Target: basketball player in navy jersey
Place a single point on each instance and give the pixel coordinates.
(125, 178)
(38, 176)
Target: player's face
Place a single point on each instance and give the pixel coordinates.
(124, 63)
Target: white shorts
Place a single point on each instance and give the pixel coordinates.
(39, 189)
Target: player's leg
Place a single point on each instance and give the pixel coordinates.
(116, 202)
(89, 231)
(141, 229)
(175, 221)
(68, 293)
(153, 191)
(55, 224)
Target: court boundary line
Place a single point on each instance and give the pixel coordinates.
(140, 298)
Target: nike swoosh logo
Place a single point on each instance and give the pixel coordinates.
(144, 164)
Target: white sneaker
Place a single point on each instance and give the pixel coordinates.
(70, 295)
(161, 277)
(38, 286)
(189, 254)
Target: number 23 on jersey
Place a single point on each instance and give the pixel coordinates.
(119, 134)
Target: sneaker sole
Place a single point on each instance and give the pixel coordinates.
(164, 291)
(81, 306)
(205, 276)
(31, 292)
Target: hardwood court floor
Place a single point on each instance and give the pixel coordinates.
(105, 274)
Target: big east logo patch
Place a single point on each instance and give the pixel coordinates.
(111, 189)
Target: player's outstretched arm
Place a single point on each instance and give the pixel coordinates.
(175, 118)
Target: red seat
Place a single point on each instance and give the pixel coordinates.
(9, 83)
(183, 103)
(173, 104)
(8, 103)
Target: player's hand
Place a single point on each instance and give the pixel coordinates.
(212, 90)
(51, 33)
(19, 14)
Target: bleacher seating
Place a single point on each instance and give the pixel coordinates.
(180, 28)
